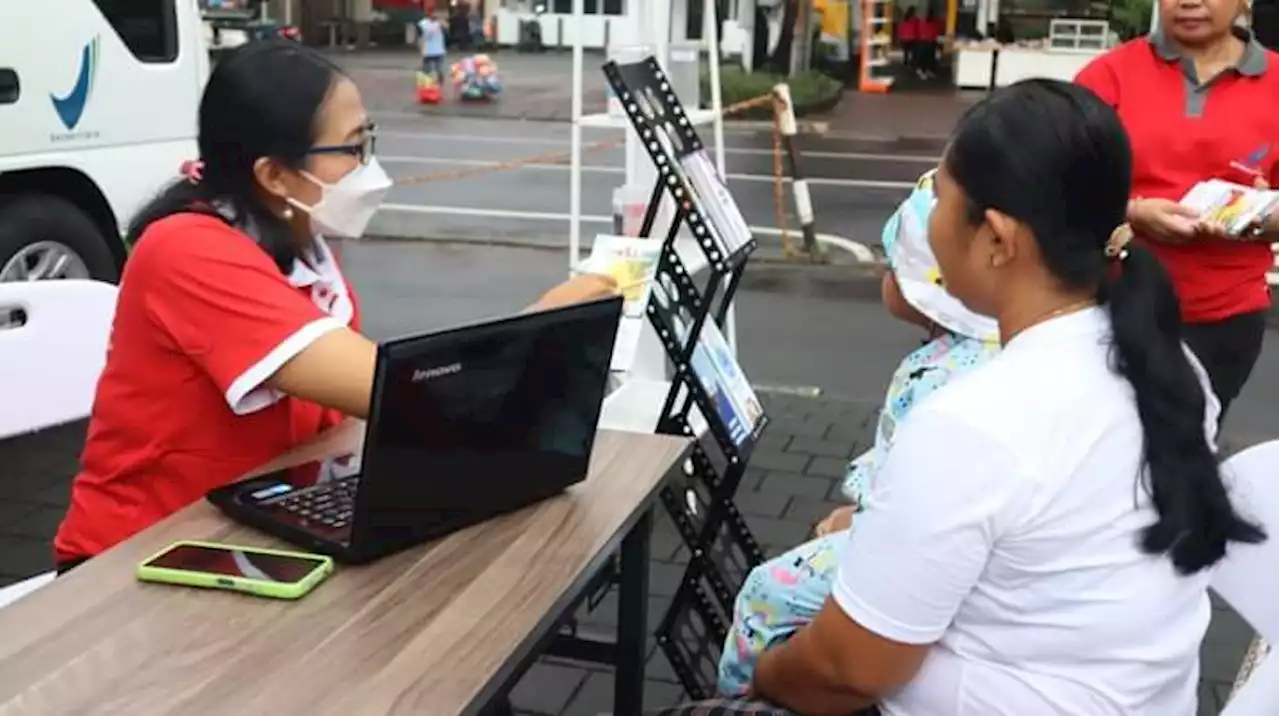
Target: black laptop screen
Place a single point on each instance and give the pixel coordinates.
(490, 412)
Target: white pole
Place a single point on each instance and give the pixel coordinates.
(575, 144)
(710, 32)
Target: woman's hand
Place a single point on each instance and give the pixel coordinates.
(1164, 220)
(840, 519)
(579, 289)
(1269, 228)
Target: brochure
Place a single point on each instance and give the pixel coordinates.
(1235, 206)
(632, 263)
(725, 384)
(728, 224)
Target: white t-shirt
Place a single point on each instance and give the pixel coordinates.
(1006, 529)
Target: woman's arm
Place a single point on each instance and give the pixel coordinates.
(914, 558)
(811, 674)
(336, 370)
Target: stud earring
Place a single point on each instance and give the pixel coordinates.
(287, 214)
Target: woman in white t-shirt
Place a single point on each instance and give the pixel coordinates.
(1043, 538)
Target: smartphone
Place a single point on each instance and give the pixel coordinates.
(253, 570)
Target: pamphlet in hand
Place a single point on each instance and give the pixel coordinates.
(725, 384)
(632, 263)
(728, 224)
(1234, 206)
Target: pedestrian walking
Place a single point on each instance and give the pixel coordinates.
(909, 40)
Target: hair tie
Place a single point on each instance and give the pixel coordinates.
(1116, 248)
(192, 170)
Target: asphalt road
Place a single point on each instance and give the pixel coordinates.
(796, 327)
(855, 184)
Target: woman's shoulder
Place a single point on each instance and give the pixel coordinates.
(193, 237)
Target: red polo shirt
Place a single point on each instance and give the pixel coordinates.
(1183, 132)
(909, 30)
(204, 318)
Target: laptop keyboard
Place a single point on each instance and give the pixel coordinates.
(331, 504)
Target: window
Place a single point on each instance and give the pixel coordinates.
(149, 28)
(590, 7)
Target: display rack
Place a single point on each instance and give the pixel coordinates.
(874, 74)
(682, 303)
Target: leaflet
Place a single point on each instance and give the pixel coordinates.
(632, 263)
(1235, 206)
(727, 222)
(731, 394)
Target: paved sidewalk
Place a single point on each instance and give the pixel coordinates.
(791, 483)
(925, 116)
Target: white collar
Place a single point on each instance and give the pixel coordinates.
(325, 269)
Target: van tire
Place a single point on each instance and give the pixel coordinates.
(26, 219)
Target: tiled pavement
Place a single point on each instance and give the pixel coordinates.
(791, 483)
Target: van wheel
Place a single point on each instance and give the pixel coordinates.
(47, 237)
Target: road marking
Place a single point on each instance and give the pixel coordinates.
(746, 151)
(493, 213)
(802, 391)
(858, 249)
(597, 169)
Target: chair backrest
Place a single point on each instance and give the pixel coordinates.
(49, 365)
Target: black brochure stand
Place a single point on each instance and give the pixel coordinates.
(721, 548)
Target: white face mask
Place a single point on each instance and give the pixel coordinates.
(346, 207)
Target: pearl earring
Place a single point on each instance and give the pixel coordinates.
(287, 214)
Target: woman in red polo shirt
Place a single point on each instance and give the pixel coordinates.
(235, 336)
(1198, 99)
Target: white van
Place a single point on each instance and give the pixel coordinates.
(98, 103)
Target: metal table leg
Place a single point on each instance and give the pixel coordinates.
(633, 600)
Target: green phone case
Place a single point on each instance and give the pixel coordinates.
(256, 587)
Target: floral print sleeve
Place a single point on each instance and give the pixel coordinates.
(918, 376)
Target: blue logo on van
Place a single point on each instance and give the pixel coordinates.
(70, 107)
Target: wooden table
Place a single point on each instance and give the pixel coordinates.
(443, 628)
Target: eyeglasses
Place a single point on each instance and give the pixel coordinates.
(361, 150)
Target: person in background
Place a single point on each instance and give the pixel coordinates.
(931, 29)
(909, 40)
(236, 336)
(1051, 519)
(1198, 99)
(432, 44)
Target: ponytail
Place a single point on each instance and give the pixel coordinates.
(1196, 517)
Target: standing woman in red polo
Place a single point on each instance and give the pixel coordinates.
(236, 334)
(1198, 98)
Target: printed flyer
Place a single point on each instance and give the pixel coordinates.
(725, 384)
(1234, 206)
(632, 263)
(728, 224)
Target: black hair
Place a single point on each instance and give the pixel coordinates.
(1055, 157)
(261, 100)
(909, 13)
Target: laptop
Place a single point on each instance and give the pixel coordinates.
(464, 424)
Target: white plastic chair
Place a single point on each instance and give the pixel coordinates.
(1249, 578)
(49, 365)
